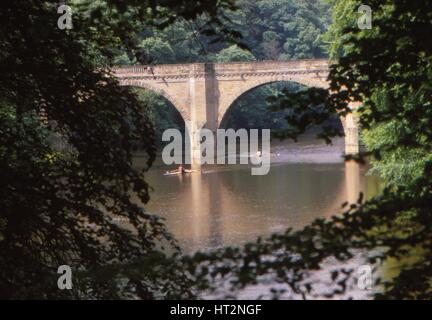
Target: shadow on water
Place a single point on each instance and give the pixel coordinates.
(226, 205)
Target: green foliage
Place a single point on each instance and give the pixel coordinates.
(160, 50)
(376, 67)
(276, 30)
(344, 15)
(401, 165)
(398, 162)
(80, 206)
(161, 113)
(283, 29)
(233, 53)
(76, 207)
(301, 113)
(251, 110)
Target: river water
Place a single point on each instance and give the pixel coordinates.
(226, 205)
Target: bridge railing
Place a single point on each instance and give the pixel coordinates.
(228, 67)
(156, 69)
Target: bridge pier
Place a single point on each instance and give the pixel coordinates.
(195, 147)
(203, 100)
(203, 92)
(351, 129)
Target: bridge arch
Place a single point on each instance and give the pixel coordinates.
(249, 86)
(171, 98)
(349, 123)
(203, 92)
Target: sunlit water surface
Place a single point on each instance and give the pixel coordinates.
(226, 205)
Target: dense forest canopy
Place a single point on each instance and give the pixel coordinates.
(277, 30)
(65, 207)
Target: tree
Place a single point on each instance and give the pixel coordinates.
(271, 47)
(251, 109)
(157, 50)
(397, 166)
(271, 29)
(234, 53)
(80, 206)
(375, 64)
(293, 28)
(162, 114)
(270, 24)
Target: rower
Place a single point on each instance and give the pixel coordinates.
(181, 169)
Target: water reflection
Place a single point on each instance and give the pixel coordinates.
(353, 182)
(226, 205)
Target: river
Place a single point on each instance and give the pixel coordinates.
(226, 205)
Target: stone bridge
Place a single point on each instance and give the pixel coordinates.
(203, 92)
